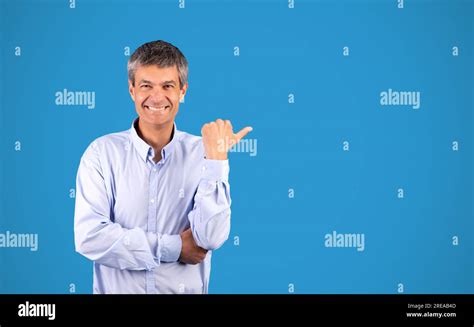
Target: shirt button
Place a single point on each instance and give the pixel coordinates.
(152, 200)
(154, 170)
(203, 168)
(126, 240)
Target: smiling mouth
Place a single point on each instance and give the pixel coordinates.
(157, 109)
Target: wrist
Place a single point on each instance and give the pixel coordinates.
(216, 157)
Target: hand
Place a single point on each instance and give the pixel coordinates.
(218, 138)
(191, 253)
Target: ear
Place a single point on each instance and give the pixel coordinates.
(182, 92)
(131, 90)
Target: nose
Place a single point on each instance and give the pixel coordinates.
(157, 96)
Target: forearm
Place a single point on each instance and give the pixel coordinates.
(210, 217)
(112, 245)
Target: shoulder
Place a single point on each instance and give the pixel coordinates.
(190, 143)
(109, 143)
(189, 140)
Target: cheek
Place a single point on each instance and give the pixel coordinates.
(139, 98)
(175, 97)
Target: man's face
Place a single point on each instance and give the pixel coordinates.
(156, 94)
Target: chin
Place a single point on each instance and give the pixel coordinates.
(157, 119)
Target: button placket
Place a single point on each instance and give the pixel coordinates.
(151, 222)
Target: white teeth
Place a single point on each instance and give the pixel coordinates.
(156, 108)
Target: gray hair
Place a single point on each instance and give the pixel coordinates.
(159, 53)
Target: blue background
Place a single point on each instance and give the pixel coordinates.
(337, 99)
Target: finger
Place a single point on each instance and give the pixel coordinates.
(242, 133)
(204, 127)
(219, 122)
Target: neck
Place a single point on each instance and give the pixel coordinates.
(157, 136)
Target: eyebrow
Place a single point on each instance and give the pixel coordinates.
(144, 81)
(168, 82)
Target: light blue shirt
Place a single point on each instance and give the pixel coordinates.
(130, 211)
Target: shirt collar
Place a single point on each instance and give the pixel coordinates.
(144, 148)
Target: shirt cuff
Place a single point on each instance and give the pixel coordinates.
(215, 170)
(170, 247)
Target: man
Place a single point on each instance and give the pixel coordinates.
(153, 202)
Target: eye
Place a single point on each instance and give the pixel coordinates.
(145, 86)
(167, 86)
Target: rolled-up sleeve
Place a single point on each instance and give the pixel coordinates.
(210, 217)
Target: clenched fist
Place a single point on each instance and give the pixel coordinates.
(218, 137)
(191, 253)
